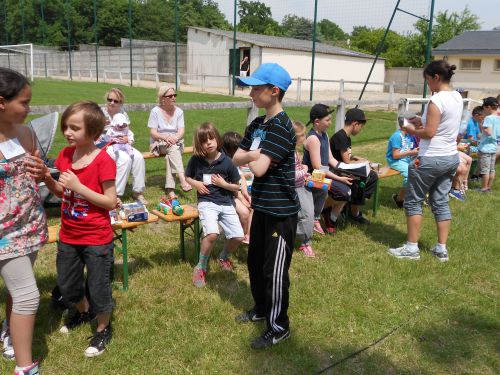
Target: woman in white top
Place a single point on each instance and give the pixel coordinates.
(433, 170)
(125, 163)
(166, 124)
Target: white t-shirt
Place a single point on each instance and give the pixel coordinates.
(158, 121)
(444, 142)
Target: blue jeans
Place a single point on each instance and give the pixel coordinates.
(433, 176)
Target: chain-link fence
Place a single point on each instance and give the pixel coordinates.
(331, 49)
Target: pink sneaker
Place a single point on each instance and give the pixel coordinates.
(226, 265)
(199, 277)
(308, 251)
(318, 228)
(30, 370)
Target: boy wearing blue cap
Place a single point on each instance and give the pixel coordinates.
(268, 148)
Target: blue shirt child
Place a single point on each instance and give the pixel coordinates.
(473, 129)
(402, 141)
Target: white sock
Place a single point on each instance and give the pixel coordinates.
(441, 247)
(22, 368)
(333, 217)
(412, 245)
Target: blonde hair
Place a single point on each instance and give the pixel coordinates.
(300, 129)
(163, 90)
(203, 133)
(93, 117)
(117, 92)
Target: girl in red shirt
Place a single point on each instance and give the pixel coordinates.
(87, 188)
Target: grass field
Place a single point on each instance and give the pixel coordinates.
(445, 316)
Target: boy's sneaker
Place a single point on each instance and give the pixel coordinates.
(360, 219)
(398, 203)
(99, 342)
(249, 316)
(30, 370)
(8, 349)
(404, 252)
(270, 338)
(329, 223)
(454, 193)
(5, 330)
(442, 256)
(77, 320)
(317, 228)
(199, 277)
(226, 265)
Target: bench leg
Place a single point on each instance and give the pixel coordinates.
(125, 259)
(375, 198)
(181, 249)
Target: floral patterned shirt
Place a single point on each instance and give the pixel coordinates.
(23, 225)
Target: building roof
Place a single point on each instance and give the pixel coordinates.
(471, 43)
(280, 42)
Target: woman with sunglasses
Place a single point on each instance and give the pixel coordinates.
(124, 162)
(166, 124)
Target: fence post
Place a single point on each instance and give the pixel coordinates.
(391, 95)
(157, 80)
(408, 79)
(339, 120)
(230, 84)
(299, 88)
(401, 109)
(45, 63)
(137, 76)
(203, 83)
(252, 113)
(341, 90)
(121, 83)
(104, 76)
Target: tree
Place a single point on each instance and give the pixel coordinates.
(331, 31)
(298, 27)
(256, 17)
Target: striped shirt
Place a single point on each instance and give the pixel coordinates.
(274, 193)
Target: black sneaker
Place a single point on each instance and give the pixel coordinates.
(399, 204)
(360, 219)
(269, 339)
(99, 342)
(77, 320)
(249, 316)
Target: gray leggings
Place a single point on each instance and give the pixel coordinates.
(17, 274)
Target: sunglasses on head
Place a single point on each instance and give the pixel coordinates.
(113, 101)
(170, 96)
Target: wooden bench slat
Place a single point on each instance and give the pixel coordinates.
(149, 155)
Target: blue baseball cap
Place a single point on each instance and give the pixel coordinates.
(268, 74)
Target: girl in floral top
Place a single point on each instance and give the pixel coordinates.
(23, 226)
(305, 222)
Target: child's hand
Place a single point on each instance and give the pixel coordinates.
(35, 166)
(346, 180)
(201, 188)
(217, 180)
(69, 180)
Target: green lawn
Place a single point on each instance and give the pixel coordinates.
(51, 91)
(351, 294)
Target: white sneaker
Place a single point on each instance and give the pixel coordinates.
(5, 330)
(8, 349)
(442, 256)
(404, 252)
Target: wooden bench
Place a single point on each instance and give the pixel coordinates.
(149, 155)
(120, 231)
(188, 220)
(385, 172)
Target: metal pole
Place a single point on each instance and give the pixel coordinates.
(43, 21)
(429, 44)
(130, 36)
(69, 40)
(313, 48)
(234, 47)
(5, 22)
(176, 43)
(379, 50)
(96, 41)
(22, 21)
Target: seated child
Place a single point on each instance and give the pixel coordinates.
(120, 128)
(459, 184)
(488, 145)
(230, 143)
(400, 149)
(473, 132)
(305, 223)
(215, 179)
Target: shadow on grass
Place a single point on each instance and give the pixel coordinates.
(385, 234)
(464, 336)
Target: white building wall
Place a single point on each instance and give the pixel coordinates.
(326, 66)
(486, 77)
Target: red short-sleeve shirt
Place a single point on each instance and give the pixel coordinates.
(83, 223)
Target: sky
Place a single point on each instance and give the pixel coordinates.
(374, 13)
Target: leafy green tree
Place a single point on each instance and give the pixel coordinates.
(256, 17)
(331, 31)
(298, 27)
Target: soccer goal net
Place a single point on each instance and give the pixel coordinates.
(18, 57)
